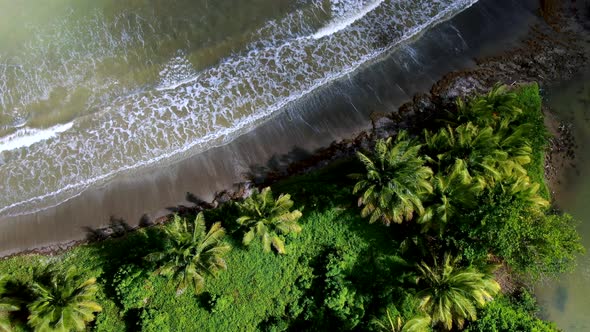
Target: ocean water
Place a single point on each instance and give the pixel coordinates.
(92, 89)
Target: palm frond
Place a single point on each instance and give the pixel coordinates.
(266, 217)
(193, 251)
(450, 295)
(63, 301)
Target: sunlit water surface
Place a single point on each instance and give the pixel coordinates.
(93, 88)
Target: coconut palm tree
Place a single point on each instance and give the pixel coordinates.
(419, 323)
(478, 148)
(490, 109)
(499, 110)
(450, 294)
(453, 192)
(395, 182)
(267, 218)
(521, 188)
(516, 142)
(191, 252)
(63, 301)
(7, 306)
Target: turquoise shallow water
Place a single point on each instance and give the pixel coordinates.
(567, 300)
(92, 89)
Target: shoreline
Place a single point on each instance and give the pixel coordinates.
(324, 120)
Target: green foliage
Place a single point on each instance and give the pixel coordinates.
(343, 273)
(512, 220)
(506, 315)
(477, 148)
(110, 319)
(220, 303)
(341, 297)
(490, 109)
(533, 243)
(395, 181)
(269, 292)
(63, 301)
(8, 305)
(153, 320)
(268, 219)
(528, 99)
(394, 322)
(454, 193)
(133, 286)
(450, 294)
(192, 252)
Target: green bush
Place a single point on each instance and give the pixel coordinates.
(505, 315)
(532, 243)
(341, 297)
(153, 320)
(133, 286)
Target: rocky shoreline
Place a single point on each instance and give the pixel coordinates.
(552, 52)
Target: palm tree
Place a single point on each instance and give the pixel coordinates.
(395, 182)
(490, 109)
(452, 193)
(267, 218)
(450, 294)
(521, 188)
(419, 323)
(63, 301)
(7, 306)
(191, 252)
(499, 110)
(516, 142)
(478, 148)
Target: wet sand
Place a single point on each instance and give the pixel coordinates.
(336, 111)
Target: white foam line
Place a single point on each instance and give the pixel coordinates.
(237, 129)
(344, 22)
(28, 136)
(176, 84)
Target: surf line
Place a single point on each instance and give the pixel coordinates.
(346, 21)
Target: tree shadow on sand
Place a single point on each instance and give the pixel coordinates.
(277, 166)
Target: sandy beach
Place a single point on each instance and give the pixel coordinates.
(337, 111)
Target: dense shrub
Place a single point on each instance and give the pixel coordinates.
(506, 315)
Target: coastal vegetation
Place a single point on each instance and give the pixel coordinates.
(191, 252)
(416, 234)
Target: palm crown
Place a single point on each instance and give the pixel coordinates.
(496, 114)
(64, 301)
(453, 192)
(478, 148)
(395, 181)
(7, 305)
(191, 252)
(420, 323)
(267, 218)
(487, 110)
(450, 295)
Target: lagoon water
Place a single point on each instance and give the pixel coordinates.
(566, 301)
(91, 89)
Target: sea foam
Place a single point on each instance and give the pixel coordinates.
(179, 118)
(24, 137)
(346, 20)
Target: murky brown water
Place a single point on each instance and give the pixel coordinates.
(567, 300)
